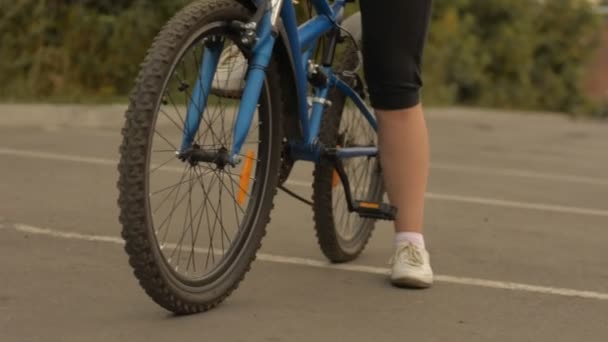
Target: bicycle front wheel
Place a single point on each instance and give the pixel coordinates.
(192, 229)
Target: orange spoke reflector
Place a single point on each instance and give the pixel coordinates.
(245, 177)
(335, 179)
(369, 205)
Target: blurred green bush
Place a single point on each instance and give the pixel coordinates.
(497, 53)
(76, 49)
(511, 54)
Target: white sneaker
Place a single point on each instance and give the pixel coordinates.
(229, 79)
(411, 267)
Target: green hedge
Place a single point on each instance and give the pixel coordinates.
(511, 53)
(76, 49)
(499, 53)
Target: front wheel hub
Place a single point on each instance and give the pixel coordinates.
(196, 154)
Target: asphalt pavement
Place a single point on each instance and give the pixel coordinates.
(516, 223)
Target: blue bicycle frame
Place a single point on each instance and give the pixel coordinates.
(302, 41)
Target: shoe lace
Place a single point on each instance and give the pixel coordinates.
(408, 253)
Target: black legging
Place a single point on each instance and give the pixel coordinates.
(394, 33)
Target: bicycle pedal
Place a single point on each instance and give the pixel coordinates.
(376, 211)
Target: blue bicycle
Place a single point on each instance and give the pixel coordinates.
(231, 94)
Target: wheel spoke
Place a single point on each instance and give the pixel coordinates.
(179, 114)
(234, 204)
(165, 151)
(169, 194)
(231, 194)
(203, 111)
(156, 167)
(166, 140)
(170, 216)
(199, 198)
(181, 239)
(215, 212)
(240, 187)
(198, 227)
(207, 219)
(221, 214)
(179, 129)
(173, 186)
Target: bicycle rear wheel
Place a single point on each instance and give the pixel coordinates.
(342, 235)
(192, 229)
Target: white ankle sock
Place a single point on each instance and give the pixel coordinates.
(415, 238)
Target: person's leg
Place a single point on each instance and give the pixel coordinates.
(394, 32)
(404, 148)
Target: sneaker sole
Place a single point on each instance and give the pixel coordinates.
(231, 94)
(413, 283)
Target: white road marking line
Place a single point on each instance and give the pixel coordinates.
(54, 156)
(435, 165)
(281, 259)
(518, 205)
(519, 173)
(299, 183)
(66, 235)
(70, 158)
(307, 184)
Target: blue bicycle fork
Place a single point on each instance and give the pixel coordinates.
(202, 88)
(256, 75)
